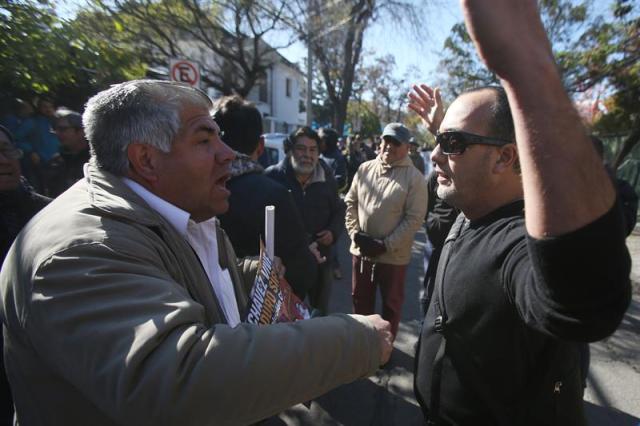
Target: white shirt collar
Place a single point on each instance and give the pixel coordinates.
(177, 217)
(202, 238)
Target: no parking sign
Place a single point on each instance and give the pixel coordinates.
(184, 72)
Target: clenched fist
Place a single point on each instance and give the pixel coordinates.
(384, 335)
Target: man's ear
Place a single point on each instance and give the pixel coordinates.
(143, 161)
(507, 158)
(260, 148)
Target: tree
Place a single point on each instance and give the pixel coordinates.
(590, 50)
(40, 54)
(611, 55)
(363, 119)
(334, 31)
(226, 37)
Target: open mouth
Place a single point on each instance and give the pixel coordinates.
(222, 180)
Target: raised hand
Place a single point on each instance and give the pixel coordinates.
(427, 103)
(508, 34)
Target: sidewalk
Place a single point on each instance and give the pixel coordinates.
(386, 399)
(613, 388)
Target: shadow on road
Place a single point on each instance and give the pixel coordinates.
(607, 416)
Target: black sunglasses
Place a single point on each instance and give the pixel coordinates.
(455, 142)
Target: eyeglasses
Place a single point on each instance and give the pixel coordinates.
(10, 152)
(455, 142)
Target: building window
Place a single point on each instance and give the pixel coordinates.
(288, 87)
(263, 91)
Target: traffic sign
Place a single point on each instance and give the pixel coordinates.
(184, 72)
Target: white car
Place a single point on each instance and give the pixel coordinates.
(273, 149)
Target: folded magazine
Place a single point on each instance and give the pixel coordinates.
(271, 299)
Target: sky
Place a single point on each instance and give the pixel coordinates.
(383, 38)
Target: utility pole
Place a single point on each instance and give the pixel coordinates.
(309, 81)
(312, 18)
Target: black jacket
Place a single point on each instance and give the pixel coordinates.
(63, 170)
(251, 191)
(512, 309)
(16, 209)
(338, 164)
(319, 203)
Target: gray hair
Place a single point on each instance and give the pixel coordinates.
(138, 111)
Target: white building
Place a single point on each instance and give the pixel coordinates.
(281, 97)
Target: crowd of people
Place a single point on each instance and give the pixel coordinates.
(123, 300)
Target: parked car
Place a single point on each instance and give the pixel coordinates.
(273, 149)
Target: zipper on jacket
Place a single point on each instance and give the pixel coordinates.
(557, 388)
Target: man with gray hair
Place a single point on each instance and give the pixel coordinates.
(122, 300)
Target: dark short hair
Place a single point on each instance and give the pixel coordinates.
(240, 121)
(304, 131)
(329, 136)
(501, 124)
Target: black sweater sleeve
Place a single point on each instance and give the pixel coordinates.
(292, 245)
(575, 286)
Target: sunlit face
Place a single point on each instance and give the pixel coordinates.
(9, 165)
(304, 155)
(464, 179)
(194, 173)
(391, 150)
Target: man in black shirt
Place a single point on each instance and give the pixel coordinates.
(512, 296)
(251, 191)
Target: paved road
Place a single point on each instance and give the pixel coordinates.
(386, 399)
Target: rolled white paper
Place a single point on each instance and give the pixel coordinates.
(269, 216)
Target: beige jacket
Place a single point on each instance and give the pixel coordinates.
(387, 202)
(110, 319)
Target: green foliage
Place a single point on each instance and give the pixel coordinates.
(463, 70)
(363, 119)
(40, 54)
(224, 37)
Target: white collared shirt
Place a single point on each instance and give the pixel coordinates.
(202, 238)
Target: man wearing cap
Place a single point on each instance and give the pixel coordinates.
(386, 205)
